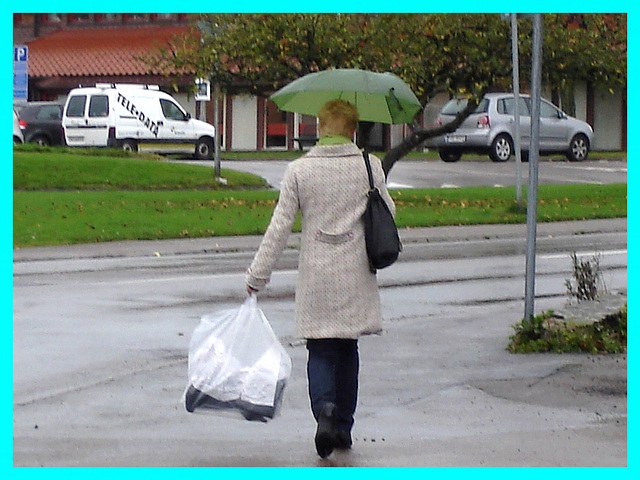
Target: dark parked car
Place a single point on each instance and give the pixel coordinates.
(41, 123)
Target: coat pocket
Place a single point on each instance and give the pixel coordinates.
(333, 238)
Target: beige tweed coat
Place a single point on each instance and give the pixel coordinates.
(336, 294)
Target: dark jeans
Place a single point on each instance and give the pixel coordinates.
(332, 370)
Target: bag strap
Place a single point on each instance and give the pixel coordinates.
(365, 154)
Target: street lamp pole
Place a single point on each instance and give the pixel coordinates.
(515, 63)
(516, 111)
(216, 122)
(534, 155)
(205, 29)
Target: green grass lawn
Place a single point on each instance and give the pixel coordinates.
(58, 170)
(65, 198)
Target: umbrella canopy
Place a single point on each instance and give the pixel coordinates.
(379, 97)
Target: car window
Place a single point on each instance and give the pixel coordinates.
(456, 105)
(99, 106)
(548, 111)
(171, 111)
(483, 106)
(49, 112)
(507, 106)
(75, 107)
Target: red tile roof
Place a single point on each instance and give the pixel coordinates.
(98, 51)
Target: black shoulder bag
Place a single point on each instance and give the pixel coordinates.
(380, 232)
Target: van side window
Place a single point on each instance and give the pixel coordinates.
(99, 106)
(75, 108)
(171, 111)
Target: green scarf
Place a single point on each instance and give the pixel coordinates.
(334, 140)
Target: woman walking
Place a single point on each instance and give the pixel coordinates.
(337, 298)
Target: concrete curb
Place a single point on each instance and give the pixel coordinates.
(144, 248)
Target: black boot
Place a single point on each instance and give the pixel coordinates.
(343, 440)
(325, 435)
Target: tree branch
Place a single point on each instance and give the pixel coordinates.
(419, 136)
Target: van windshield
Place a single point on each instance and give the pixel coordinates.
(75, 108)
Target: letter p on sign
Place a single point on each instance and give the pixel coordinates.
(20, 54)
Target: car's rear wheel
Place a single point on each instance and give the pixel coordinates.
(450, 156)
(578, 148)
(501, 148)
(41, 140)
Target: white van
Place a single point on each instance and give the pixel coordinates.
(126, 116)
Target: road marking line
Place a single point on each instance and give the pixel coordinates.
(398, 185)
(552, 256)
(596, 169)
(192, 277)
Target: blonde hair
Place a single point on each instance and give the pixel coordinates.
(338, 117)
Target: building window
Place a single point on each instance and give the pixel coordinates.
(163, 17)
(50, 18)
(306, 126)
(107, 17)
(80, 17)
(134, 17)
(276, 123)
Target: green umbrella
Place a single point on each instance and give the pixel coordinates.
(379, 97)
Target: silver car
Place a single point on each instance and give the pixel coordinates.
(490, 130)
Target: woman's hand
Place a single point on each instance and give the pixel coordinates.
(251, 290)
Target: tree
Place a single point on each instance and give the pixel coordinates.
(462, 54)
(586, 46)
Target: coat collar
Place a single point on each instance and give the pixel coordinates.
(342, 150)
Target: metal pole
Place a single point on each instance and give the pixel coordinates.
(516, 112)
(216, 123)
(205, 29)
(534, 154)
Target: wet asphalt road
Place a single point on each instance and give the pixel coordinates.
(101, 336)
(436, 174)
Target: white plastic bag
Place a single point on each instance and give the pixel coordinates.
(236, 363)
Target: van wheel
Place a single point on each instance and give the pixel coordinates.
(129, 145)
(204, 148)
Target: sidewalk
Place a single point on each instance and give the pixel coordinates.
(431, 235)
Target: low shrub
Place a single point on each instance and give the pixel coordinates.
(547, 333)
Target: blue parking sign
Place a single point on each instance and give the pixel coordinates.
(20, 53)
(20, 73)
